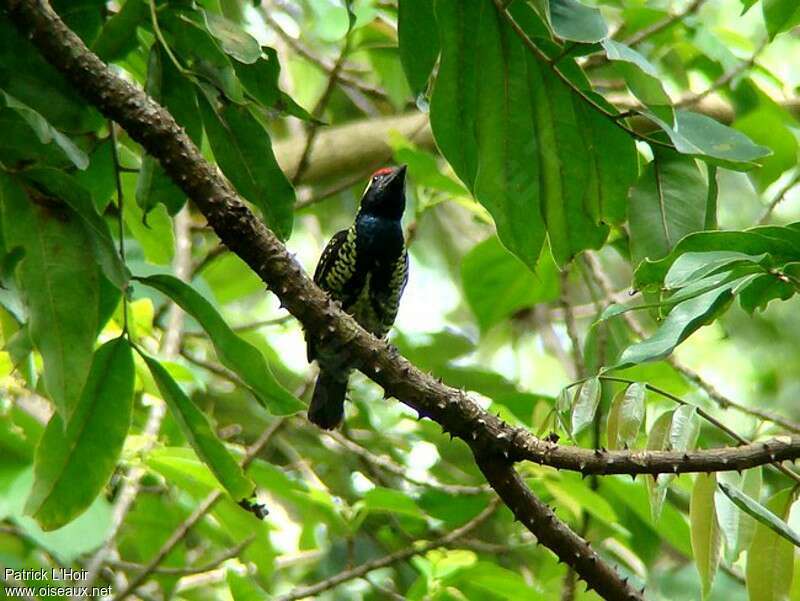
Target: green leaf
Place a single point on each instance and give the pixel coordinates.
(197, 429)
(705, 529)
(780, 15)
(783, 243)
(235, 41)
(667, 203)
(765, 516)
(242, 588)
(46, 133)
(234, 352)
(702, 137)
(642, 79)
(118, 36)
(418, 40)
(585, 406)
(693, 266)
(763, 289)
(658, 440)
(686, 318)
(576, 22)
(770, 559)
(243, 150)
(507, 182)
(74, 461)
(626, 415)
(381, 499)
(497, 284)
(737, 526)
(172, 90)
(770, 127)
(65, 188)
(260, 80)
(60, 279)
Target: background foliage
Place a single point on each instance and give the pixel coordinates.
(598, 182)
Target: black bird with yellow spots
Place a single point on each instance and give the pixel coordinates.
(365, 268)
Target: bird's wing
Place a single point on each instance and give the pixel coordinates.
(389, 301)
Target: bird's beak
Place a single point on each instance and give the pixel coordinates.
(398, 178)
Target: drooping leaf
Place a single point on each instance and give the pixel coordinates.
(172, 90)
(197, 429)
(576, 22)
(705, 529)
(626, 415)
(75, 460)
(667, 203)
(234, 352)
(737, 526)
(780, 15)
(60, 279)
(260, 81)
(65, 188)
(243, 150)
(418, 40)
(765, 516)
(118, 36)
(585, 406)
(497, 284)
(686, 318)
(44, 132)
(658, 440)
(770, 559)
(235, 41)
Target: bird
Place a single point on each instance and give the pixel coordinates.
(365, 269)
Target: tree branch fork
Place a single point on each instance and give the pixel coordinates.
(495, 444)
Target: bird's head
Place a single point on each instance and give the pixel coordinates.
(385, 195)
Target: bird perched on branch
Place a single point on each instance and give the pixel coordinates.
(365, 268)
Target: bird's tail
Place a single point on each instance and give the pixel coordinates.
(327, 402)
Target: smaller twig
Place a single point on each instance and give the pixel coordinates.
(778, 198)
(188, 570)
(387, 560)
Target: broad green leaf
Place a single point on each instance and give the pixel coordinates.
(641, 77)
(576, 493)
(692, 266)
(763, 289)
(44, 132)
(242, 588)
(768, 126)
(667, 203)
(658, 440)
(685, 428)
(686, 318)
(235, 41)
(492, 581)
(765, 516)
(74, 461)
(701, 136)
(418, 40)
(60, 279)
(705, 529)
(780, 15)
(156, 238)
(576, 22)
(173, 91)
(197, 429)
(626, 415)
(507, 179)
(585, 406)
(783, 243)
(454, 102)
(243, 150)
(770, 559)
(65, 188)
(234, 352)
(497, 284)
(118, 36)
(737, 526)
(260, 81)
(569, 175)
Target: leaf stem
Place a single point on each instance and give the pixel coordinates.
(120, 220)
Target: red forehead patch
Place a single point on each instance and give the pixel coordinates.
(383, 171)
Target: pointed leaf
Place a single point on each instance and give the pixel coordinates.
(577, 22)
(626, 415)
(780, 15)
(60, 279)
(770, 559)
(234, 352)
(418, 41)
(685, 428)
(705, 529)
(764, 515)
(235, 41)
(197, 429)
(118, 36)
(737, 526)
(74, 462)
(658, 440)
(585, 407)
